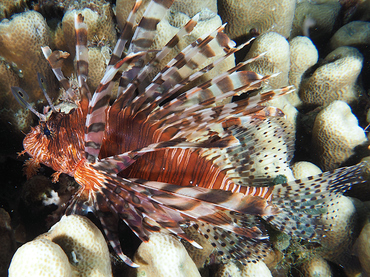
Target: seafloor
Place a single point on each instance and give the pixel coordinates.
(322, 48)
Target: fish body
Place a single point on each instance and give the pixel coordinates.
(162, 160)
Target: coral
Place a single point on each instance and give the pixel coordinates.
(355, 33)
(319, 16)
(28, 28)
(73, 245)
(185, 7)
(192, 7)
(8, 7)
(341, 220)
(303, 55)
(289, 110)
(335, 134)
(123, 9)
(258, 16)
(7, 242)
(40, 257)
(99, 23)
(276, 59)
(316, 266)
(199, 256)
(250, 270)
(163, 255)
(98, 61)
(335, 79)
(9, 105)
(304, 169)
(363, 248)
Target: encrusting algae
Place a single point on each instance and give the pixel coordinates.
(156, 139)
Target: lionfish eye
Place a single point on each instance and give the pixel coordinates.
(47, 132)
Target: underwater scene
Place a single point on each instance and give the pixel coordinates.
(185, 138)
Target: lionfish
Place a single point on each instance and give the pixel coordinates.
(161, 159)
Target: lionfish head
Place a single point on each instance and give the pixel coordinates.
(51, 142)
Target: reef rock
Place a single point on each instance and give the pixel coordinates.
(164, 255)
(335, 79)
(250, 270)
(355, 33)
(257, 16)
(335, 134)
(72, 247)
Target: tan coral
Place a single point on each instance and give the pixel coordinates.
(335, 79)
(316, 266)
(187, 7)
(123, 9)
(276, 59)
(199, 256)
(72, 247)
(164, 255)
(84, 245)
(335, 134)
(303, 55)
(258, 268)
(304, 169)
(8, 7)
(100, 26)
(355, 33)
(315, 19)
(259, 16)
(363, 248)
(340, 220)
(40, 257)
(27, 29)
(98, 61)
(192, 7)
(10, 106)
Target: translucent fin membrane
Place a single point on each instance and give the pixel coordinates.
(22, 97)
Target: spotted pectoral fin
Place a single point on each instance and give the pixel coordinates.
(303, 202)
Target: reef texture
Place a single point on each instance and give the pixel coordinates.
(335, 135)
(335, 79)
(363, 248)
(251, 17)
(72, 247)
(164, 255)
(249, 270)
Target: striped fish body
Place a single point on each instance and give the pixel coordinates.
(161, 160)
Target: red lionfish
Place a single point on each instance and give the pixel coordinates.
(159, 159)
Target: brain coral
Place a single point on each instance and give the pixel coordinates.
(335, 79)
(250, 270)
(72, 246)
(261, 16)
(164, 255)
(355, 33)
(321, 15)
(303, 55)
(40, 257)
(335, 134)
(276, 59)
(21, 39)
